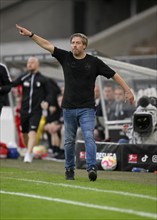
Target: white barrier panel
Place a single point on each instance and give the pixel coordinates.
(7, 126)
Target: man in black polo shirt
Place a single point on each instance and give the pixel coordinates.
(80, 72)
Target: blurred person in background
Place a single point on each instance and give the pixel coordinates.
(55, 130)
(122, 110)
(36, 95)
(53, 112)
(109, 100)
(80, 73)
(5, 82)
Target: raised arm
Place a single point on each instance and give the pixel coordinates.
(128, 94)
(37, 39)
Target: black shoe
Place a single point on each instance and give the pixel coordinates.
(60, 156)
(92, 174)
(69, 174)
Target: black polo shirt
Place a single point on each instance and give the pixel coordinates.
(80, 76)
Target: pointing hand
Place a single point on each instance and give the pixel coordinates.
(23, 31)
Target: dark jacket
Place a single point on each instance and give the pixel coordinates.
(35, 89)
(5, 82)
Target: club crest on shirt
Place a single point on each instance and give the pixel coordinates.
(26, 84)
(87, 66)
(38, 84)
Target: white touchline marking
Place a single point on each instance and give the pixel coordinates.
(86, 188)
(108, 208)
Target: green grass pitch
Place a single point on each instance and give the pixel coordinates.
(40, 191)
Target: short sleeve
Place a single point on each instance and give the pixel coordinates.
(104, 69)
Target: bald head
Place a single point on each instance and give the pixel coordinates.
(32, 64)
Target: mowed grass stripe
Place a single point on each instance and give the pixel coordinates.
(93, 206)
(85, 188)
